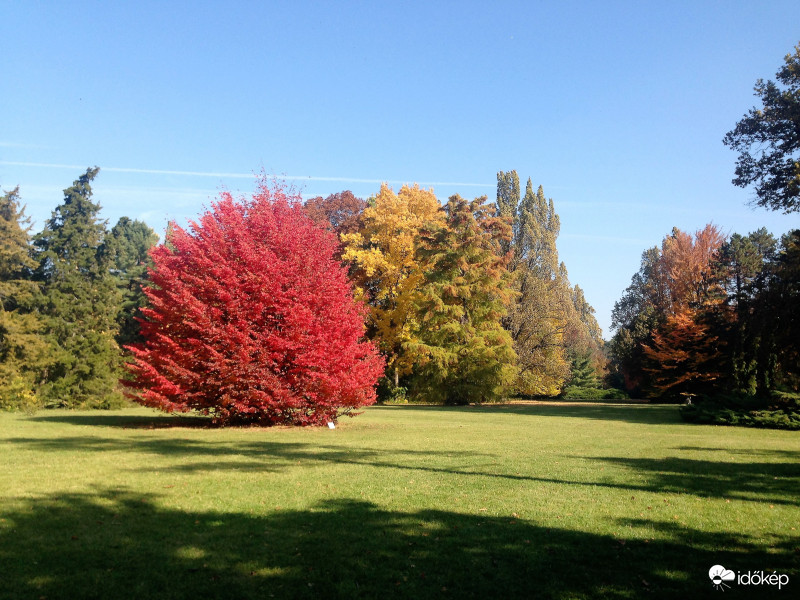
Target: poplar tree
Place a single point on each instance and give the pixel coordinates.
(540, 316)
(81, 301)
(508, 196)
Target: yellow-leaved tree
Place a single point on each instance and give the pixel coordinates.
(387, 272)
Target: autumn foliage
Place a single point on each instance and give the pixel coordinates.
(252, 319)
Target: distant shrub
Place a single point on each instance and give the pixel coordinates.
(16, 394)
(389, 394)
(780, 411)
(582, 393)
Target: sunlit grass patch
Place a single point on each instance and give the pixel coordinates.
(519, 501)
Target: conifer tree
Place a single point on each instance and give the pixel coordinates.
(127, 247)
(81, 302)
(684, 356)
(582, 371)
(23, 349)
(462, 353)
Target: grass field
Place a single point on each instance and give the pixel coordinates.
(533, 501)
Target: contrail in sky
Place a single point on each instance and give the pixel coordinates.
(237, 175)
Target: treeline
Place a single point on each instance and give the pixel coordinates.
(712, 319)
(69, 297)
(468, 301)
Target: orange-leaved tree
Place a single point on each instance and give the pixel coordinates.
(684, 357)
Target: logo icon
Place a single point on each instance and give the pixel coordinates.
(719, 575)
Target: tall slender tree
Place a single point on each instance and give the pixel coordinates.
(508, 196)
(539, 318)
(81, 301)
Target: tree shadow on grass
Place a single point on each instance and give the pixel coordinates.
(155, 421)
(756, 481)
(124, 545)
(778, 483)
(631, 413)
(650, 414)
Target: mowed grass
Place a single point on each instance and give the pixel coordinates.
(519, 501)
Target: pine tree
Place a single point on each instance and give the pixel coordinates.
(741, 267)
(462, 352)
(81, 302)
(23, 349)
(582, 371)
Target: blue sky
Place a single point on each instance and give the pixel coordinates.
(617, 109)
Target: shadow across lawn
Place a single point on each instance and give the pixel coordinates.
(660, 414)
(155, 421)
(631, 413)
(774, 482)
(122, 545)
(753, 480)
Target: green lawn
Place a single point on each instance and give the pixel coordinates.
(416, 502)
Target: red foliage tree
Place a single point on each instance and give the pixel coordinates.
(251, 319)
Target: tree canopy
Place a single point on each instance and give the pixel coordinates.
(251, 318)
(768, 140)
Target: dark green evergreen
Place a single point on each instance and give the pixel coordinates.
(81, 302)
(127, 247)
(743, 271)
(582, 371)
(635, 317)
(768, 140)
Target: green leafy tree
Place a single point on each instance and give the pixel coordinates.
(462, 352)
(636, 316)
(768, 140)
(127, 248)
(81, 301)
(23, 349)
